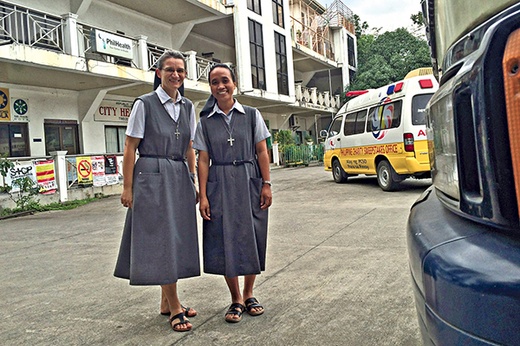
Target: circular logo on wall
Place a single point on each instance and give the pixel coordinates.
(3, 99)
(20, 107)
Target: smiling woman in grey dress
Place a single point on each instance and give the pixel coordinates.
(159, 244)
(235, 190)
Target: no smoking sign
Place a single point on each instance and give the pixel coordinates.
(84, 169)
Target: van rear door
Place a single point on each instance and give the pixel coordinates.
(419, 103)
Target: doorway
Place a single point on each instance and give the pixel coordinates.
(14, 140)
(61, 135)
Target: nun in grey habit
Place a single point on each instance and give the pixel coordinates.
(159, 244)
(235, 190)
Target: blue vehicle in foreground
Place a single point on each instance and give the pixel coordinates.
(463, 233)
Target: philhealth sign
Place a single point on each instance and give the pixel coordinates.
(110, 44)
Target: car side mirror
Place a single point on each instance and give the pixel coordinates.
(323, 133)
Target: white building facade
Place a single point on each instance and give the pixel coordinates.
(71, 69)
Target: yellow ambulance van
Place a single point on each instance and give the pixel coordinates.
(382, 132)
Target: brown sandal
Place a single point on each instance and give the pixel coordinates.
(182, 320)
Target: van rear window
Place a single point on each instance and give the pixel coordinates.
(355, 123)
(419, 108)
(385, 116)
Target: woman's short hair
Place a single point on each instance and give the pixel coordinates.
(167, 55)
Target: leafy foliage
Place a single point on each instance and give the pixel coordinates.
(284, 139)
(388, 57)
(25, 197)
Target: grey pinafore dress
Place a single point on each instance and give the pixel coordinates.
(159, 243)
(235, 239)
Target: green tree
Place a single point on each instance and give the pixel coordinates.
(418, 28)
(360, 27)
(388, 57)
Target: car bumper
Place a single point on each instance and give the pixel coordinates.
(466, 277)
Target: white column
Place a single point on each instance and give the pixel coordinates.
(60, 165)
(71, 34)
(191, 62)
(276, 155)
(142, 52)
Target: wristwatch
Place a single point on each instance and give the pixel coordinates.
(268, 182)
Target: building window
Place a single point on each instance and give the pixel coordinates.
(256, 46)
(61, 135)
(115, 139)
(281, 64)
(351, 52)
(14, 140)
(254, 5)
(278, 12)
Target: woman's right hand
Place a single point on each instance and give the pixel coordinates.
(204, 208)
(127, 198)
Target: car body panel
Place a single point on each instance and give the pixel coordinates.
(466, 277)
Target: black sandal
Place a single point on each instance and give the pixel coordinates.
(188, 312)
(252, 303)
(182, 320)
(236, 309)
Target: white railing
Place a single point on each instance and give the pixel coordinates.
(154, 53)
(36, 29)
(312, 97)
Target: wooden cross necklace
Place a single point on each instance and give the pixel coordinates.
(229, 130)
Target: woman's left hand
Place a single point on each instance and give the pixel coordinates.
(266, 197)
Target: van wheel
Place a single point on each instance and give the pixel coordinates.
(385, 176)
(339, 175)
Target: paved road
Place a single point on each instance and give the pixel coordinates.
(337, 274)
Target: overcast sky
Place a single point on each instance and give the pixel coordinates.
(388, 14)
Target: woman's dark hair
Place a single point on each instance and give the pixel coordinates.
(233, 77)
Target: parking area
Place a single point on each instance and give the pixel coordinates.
(337, 274)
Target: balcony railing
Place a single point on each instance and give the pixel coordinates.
(36, 29)
(314, 98)
(312, 39)
(202, 65)
(154, 52)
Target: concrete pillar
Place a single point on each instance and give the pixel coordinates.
(276, 155)
(70, 31)
(60, 165)
(142, 52)
(191, 62)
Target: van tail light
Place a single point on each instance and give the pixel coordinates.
(408, 142)
(511, 67)
(426, 83)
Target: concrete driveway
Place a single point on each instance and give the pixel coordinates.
(337, 274)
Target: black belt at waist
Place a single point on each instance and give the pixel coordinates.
(231, 163)
(173, 158)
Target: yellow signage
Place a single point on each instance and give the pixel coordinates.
(84, 170)
(5, 114)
